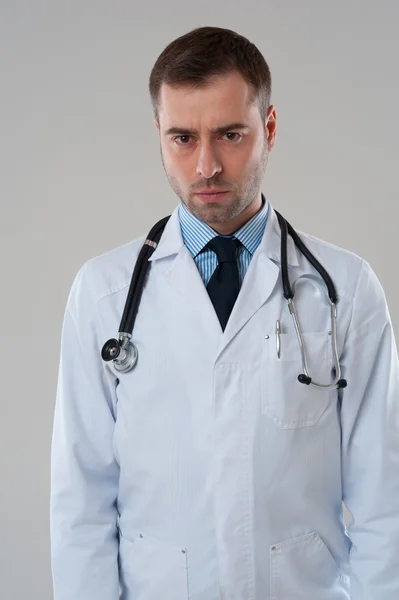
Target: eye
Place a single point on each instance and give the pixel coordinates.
(233, 133)
(180, 137)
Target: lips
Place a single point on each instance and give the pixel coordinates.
(211, 196)
(212, 192)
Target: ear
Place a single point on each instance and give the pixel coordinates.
(157, 125)
(271, 127)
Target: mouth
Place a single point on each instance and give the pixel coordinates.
(211, 197)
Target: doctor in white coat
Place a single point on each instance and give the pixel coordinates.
(208, 472)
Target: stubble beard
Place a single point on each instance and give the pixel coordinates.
(224, 211)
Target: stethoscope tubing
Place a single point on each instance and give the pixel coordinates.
(285, 229)
(139, 274)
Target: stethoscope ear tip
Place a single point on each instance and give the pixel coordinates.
(342, 383)
(302, 378)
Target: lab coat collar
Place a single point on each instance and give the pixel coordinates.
(185, 283)
(172, 242)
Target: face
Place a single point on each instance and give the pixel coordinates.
(213, 137)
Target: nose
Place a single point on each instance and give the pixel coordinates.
(208, 164)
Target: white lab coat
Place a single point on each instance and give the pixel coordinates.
(208, 472)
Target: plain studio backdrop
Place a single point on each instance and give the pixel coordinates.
(81, 174)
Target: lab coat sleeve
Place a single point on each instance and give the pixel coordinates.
(84, 472)
(370, 443)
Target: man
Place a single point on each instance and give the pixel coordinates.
(208, 471)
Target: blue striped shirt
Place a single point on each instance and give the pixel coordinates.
(196, 234)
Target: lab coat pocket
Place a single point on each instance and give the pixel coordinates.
(150, 569)
(289, 403)
(303, 568)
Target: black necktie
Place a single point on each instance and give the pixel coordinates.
(224, 285)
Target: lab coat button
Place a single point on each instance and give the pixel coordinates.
(266, 337)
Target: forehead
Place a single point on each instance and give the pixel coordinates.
(224, 98)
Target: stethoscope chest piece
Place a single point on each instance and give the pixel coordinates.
(122, 352)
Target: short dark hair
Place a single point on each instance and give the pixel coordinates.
(194, 58)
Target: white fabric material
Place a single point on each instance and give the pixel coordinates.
(208, 472)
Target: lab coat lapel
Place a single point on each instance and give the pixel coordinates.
(261, 277)
(190, 297)
(186, 296)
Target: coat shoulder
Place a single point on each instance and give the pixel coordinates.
(344, 266)
(330, 250)
(110, 272)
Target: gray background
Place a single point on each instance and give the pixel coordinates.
(81, 174)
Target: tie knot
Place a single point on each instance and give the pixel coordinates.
(225, 248)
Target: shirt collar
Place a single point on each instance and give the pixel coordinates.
(196, 234)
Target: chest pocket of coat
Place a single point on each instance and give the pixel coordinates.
(289, 403)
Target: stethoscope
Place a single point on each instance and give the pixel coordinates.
(124, 353)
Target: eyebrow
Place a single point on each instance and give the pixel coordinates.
(223, 129)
